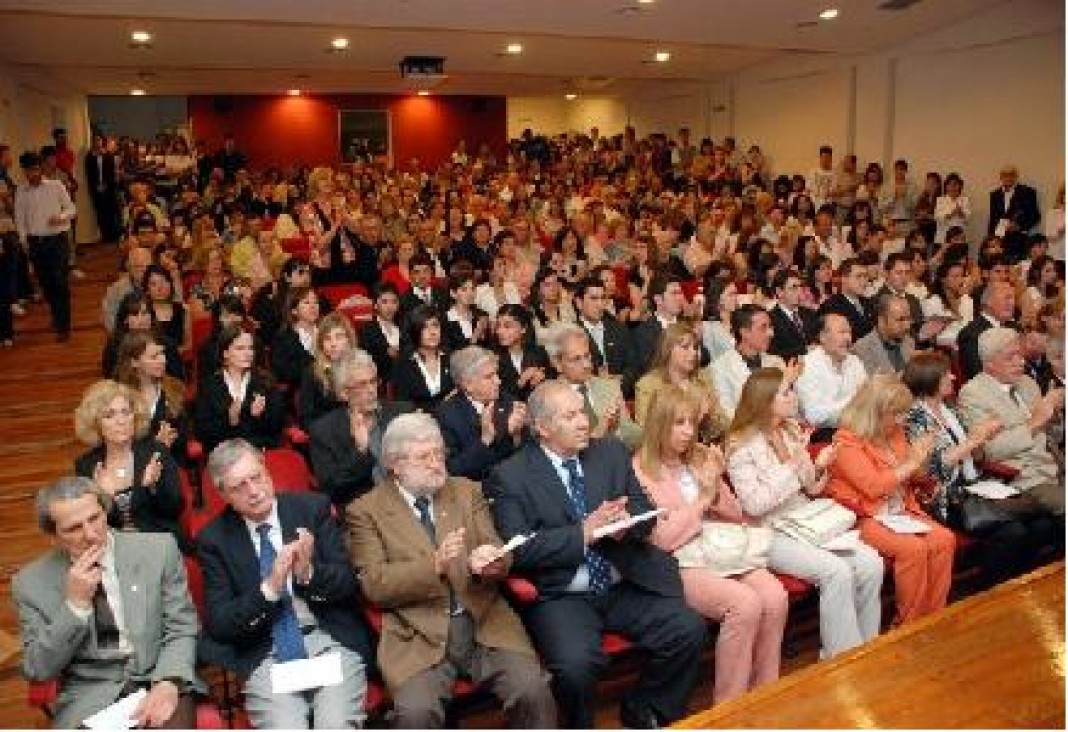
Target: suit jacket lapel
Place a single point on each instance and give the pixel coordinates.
(591, 473)
(402, 520)
(245, 555)
(543, 472)
(132, 588)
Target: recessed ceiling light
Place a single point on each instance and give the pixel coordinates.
(141, 37)
(293, 92)
(137, 92)
(829, 14)
(514, 48)
(646, 2)
(662, 57)
(339, 44)
(423, 93)
(571, 96)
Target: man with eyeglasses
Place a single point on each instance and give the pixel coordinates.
(279, 588)
(888, 347)
(346, 443)
(429, 556)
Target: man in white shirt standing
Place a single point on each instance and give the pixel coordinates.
(830, 377)
(821, 179)
(43, 214)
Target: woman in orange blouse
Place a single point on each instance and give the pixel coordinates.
(685, 479)
(871, 475)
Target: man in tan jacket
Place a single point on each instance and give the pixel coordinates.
(430, 559)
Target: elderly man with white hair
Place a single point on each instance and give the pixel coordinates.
(602, 396)
(480, 425)
(1003, 391)
(346, 442)
(430, 558)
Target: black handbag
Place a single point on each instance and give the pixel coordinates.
(976, 515)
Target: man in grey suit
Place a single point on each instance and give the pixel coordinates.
(888, 346)
(1004, 392)
(106, 614)
(569, 351)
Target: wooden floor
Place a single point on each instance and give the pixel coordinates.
(993, 660)
(41, 382)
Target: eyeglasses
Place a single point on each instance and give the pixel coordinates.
(436, 455)
(257, 479)
(123, 413)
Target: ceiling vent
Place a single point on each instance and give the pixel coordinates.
(897, 4)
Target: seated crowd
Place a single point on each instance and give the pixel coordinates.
(784, 380)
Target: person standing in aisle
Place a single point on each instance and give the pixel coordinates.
(43, 215)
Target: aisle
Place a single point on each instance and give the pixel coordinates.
(41, 382)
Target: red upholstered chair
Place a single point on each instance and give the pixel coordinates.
(297, 246)
(524, 592)
(43, 694)
(288, 470)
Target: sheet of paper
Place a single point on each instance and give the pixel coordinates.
(992, 489)
(626, 523)
(514, 543)
(1002, 228)
(846, 542)
(903, 524)
(118, 715)
(307, 673)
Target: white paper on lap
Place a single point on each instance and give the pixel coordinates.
(992, 489)
(307, 673)
(118, 715)
(901, 523)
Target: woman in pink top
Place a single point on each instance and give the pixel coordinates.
(685, 478)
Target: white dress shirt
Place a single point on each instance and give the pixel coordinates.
(580, 582)
(35, 205)
(112, 591)
(824, 388)
(934, 307)
(304, 614)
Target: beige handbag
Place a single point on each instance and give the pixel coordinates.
(726, 548)
(817, 522)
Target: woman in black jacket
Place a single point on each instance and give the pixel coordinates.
(422, 376)
(137, 473)
(239, 400)
(522, 364)
(293, 347)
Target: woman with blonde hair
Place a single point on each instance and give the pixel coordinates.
(678, 361)
(134, 471)
(685, 479)
(872, 473)
(333, 337)
(773, 478)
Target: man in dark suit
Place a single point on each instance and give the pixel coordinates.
(850, 302)
(103, 180)
(610, 340)
(669, 302)
(279, 587)
(794, 326)
(346, 443)
(107, 613)
(1013, 213)
(998, 305)
(422, 291)
(561, 490)
(481, 427)
(381, 335)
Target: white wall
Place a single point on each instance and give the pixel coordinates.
(555, 114)
(966, 98)
(32, 103)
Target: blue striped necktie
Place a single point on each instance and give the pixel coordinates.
(288, 640)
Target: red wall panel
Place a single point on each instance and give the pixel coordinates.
(278, 130)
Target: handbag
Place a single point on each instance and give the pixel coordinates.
(817, 522)
(726, 548)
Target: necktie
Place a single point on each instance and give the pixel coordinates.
(600, 570)
(422, 505)
(587, 405)
(288, 640)
(107, 629)
(1016, 396)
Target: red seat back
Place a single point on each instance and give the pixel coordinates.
(288, 470)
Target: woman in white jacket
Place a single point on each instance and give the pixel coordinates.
(772, 474)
